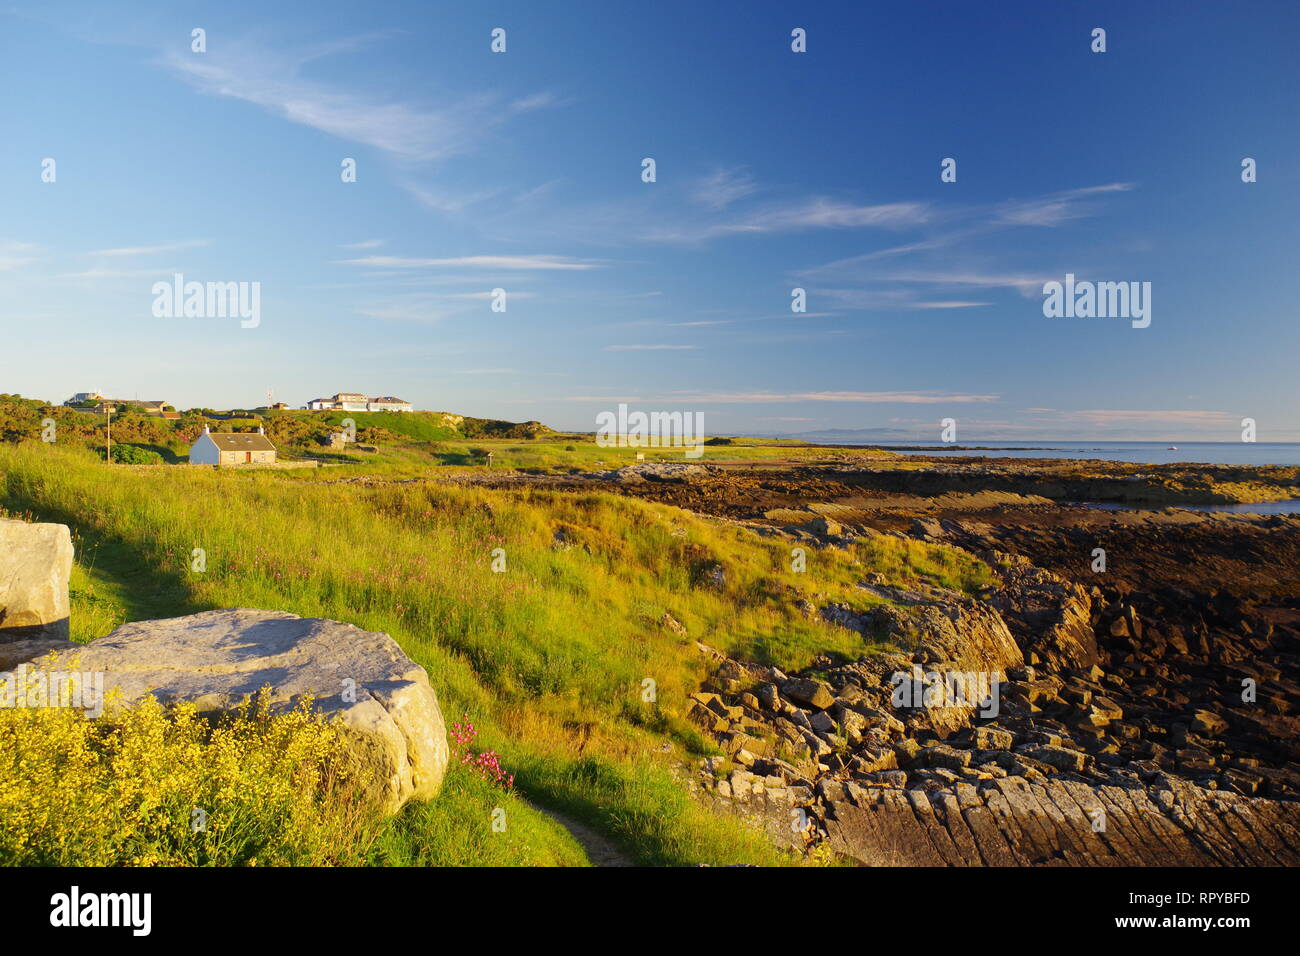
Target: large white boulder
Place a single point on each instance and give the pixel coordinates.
(35, 564)
(219, 659)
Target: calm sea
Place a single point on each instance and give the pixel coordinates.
(1154, 453)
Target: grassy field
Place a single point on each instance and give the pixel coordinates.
(402, 442)
(548, 656)
(561, 454)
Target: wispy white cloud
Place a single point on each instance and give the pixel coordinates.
(405, 312)
(601, 399)
(542, 262)
(872, 299)
(947, 305)
(650, 348)
(1027, 283)
(99, 272)
(427, 306)
(1103, 417)
(1057, 208)
(658, 324)
(453, 203)
(365, 244)
(273, 80)
(715, 205)
(537, 101)
(151, 250)
(794, 216)
(418, 308)
(488, 295)
(922, 275)
(723, 187)
(824, 213)
(16, 255)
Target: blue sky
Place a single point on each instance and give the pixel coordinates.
(775, 170)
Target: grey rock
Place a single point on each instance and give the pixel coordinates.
(1059, 757)
(822, 722)
(220, 659)
(810, 692)
(14, 653)
(942, 755)
(35, 564)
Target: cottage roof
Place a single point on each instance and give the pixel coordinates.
(241, 441)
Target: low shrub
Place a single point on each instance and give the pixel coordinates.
(155, 786)
(135, 455)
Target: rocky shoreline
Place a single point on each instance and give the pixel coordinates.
(858, 480)
(1146, 701)
(1082, 758)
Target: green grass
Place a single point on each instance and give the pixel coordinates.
(474, 823)
(548, 657)
(567, 453)
(419, 426)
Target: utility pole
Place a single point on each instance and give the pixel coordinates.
(108, 441)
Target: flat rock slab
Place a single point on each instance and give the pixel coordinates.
(220, 659)
(1012, 822)
(14, 653)
(35, 564)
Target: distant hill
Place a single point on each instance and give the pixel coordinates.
(853, 435)
(421, 426)
(20, 420)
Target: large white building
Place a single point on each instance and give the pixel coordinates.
(232, 448)
(356, 402)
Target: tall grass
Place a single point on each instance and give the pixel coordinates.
(549, 655)
(564, 454)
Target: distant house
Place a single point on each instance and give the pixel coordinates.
(356, 402)
(343, 401)
(279, 406)
(232, 448)
(351, 401)
(154, 409)
(95, 402)
(388, 403)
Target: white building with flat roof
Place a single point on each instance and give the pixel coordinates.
(356, 402)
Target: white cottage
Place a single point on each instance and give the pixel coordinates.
(232, 448)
